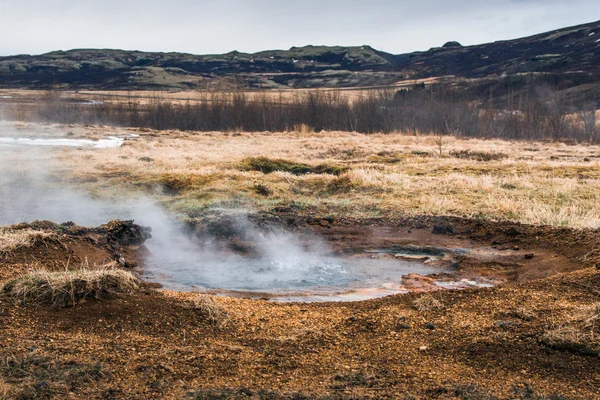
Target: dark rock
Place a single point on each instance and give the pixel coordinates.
(430, 326)
(512, 231)
(125, 233)
(507, 324)
(403, 326)
(443, 229)
(529, 256)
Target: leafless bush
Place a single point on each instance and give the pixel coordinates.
(539, 113)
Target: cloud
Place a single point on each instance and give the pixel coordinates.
(211, 26)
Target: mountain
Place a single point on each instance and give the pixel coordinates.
(571, 54)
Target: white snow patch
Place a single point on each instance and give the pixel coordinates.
(110, 142)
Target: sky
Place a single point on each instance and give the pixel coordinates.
(220, 26)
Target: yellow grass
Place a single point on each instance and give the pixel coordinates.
(390, 175)
(11, 239)
(65, 288)
(5, 390)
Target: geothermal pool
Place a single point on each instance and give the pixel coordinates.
(294, 277)
(279, 265)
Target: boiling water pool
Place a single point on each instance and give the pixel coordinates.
(317, 278)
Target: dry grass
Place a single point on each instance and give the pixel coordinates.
(538, 184)
(209, 309)
(6, 390)
(67, 288)
(11, 239)
(427, 302)
(578, 331)
(34, 375)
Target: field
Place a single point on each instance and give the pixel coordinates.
(528, 212)
(381, 176)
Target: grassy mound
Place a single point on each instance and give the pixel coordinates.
(12, 239)
(209, 309)
(268, 165)
(66, 288)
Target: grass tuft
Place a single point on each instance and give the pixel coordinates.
(478, 155)
(6, 390)
(268, 165)
(66, 288)
(209, 309)
(579, 334)
(427, 302)
(13, 239)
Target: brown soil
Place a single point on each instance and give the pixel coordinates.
(485, 343)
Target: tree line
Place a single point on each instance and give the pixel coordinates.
(539, 113)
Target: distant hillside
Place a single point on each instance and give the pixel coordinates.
(573, 50)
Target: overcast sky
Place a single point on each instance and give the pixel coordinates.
(219, 26)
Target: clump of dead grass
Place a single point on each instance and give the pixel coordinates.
(37, 376)
(209, 309)
(67, 288)
(478, 155)
(427, 302)
(578, 334)
(6, 390)
(13, 239)
(267, 165)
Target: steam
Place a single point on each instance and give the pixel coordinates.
(30, 190)
(278, 261)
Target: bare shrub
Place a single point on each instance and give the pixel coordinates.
(303, 129)
(541, 112)
(427, 302)
(66, 288)
(209, 309)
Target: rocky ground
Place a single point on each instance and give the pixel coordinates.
(533, 337)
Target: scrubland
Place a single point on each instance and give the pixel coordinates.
(377, 175)
(62, 336)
